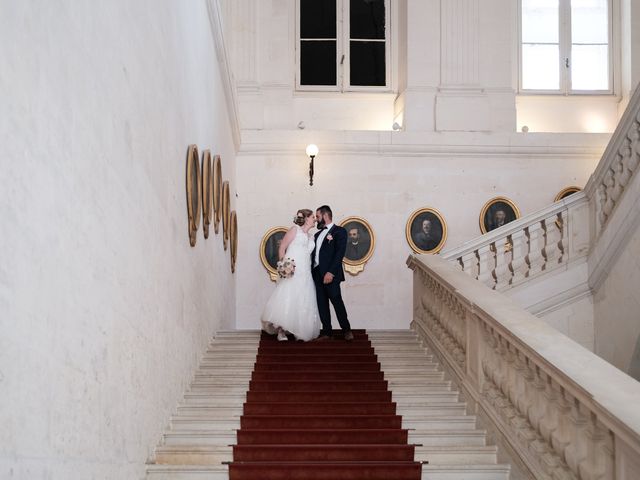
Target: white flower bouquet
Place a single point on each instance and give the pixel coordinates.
(286, 267)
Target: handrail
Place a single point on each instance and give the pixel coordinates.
(566, 412)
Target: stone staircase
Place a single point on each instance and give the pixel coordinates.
(203, 428)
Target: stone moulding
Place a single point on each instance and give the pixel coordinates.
(565, 412)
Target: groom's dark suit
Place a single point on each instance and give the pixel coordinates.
(330, 260)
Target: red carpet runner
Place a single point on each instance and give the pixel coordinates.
(320, 411)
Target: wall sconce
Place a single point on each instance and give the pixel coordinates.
(312, 151)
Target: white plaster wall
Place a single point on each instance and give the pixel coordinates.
(104, 306)
(384, 177)
(263, 45)
(617, 308)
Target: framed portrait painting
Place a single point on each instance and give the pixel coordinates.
(565, 192)
(361, 242)
(497, 212)
(426, 231)
(269, 250)
(194, 192)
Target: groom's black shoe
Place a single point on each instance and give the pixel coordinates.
(323, 338)
(348, 336)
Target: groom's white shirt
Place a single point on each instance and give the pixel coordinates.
(319, 241)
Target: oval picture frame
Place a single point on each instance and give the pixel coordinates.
(269, 250)
(421, 241)
(207, 191)
(358, 252)
(194, 192)
(217, 192)
(233, 239)
(565, 192)
(487, 219)
(226, 206)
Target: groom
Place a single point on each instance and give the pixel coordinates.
(326, 258)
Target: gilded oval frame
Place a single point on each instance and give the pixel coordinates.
(226, 211)
(207, 191)
(491, 203)
(409, 236)
(217, 192)
(233, 239)
(565, 192)
(193, 179)
(273, 273)
(356, 266)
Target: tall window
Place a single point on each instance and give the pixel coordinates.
(343, 45)
(565, 46)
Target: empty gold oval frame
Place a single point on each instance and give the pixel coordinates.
(217, 192)
(421, 240)
(269, 246)
(207, 192)
(194, 192)
(355, 259)
(565, 192)
(226, 206)
(489, 224)
(233, 239)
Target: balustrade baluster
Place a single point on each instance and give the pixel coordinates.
(486, 265)
(534, 258)
(470, 264)
(518, 265)
(503, 274)
(576, 450)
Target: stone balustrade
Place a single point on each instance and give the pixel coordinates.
(522, 249)
(618, 165)
(564, 411)
(566, 230)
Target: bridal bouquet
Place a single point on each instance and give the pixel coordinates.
(286, 268)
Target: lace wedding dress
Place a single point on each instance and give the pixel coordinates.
(293, 305)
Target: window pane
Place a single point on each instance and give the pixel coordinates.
(590, 69)
(540, 69)
(367, 19)
(540, 21)
(317, 18)
(367, 63)
(589, 21)
(318, 63)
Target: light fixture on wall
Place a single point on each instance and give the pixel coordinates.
(312, 151)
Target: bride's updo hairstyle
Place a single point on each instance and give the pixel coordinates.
(301, 216)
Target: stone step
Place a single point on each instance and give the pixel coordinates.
(447, 437)
(466, 472)
(413, 378)
(444, 422)
(203, 424)
(420, 388)
(187, 472)
(215, 398)
(193, 454)
(210, 411)
(386, 363)
(458, 455)
(222, 389)
(419, 398)
(411, 369)
(431, 409)
(219, 438)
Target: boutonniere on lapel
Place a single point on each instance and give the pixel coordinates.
(329, 237)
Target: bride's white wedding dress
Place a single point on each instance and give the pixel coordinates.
(293, 305)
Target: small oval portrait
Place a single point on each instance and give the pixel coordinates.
(269, 247)
(565, 192)
(497, 212)
(426, 231)
(360, 240)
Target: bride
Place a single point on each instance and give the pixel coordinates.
(293, 307)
